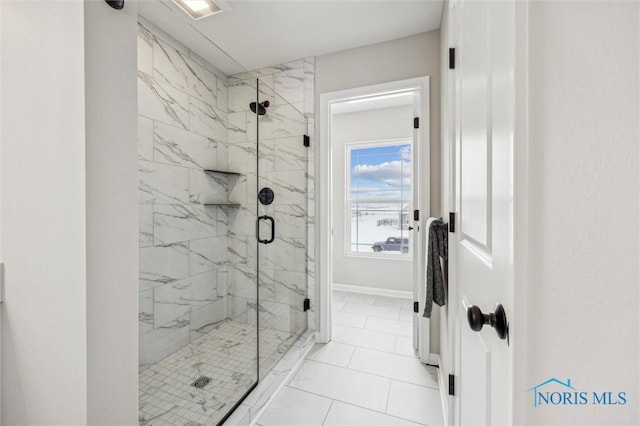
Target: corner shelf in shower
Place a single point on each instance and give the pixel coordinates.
(222, 203)
(224, 172)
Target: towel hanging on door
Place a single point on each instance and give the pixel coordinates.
(437, 247)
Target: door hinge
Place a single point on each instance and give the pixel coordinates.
(452, 222)
(306, 305)
(416, 215)
(416, 307)
(452, 384)
(416, 122)
(452, 58)
(306, 141)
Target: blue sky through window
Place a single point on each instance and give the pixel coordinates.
(381, 172)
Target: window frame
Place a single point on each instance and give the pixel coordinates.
(348, 201)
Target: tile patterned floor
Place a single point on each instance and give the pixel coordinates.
(368, 375)
(227, 354)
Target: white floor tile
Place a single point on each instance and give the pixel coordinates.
(339, 296)
(342, 384)
(417, 403)
(361, 299)
(406, 315)
(386, 325)
(342, 414)
(348, 319)
(393, 302)
(404, 346)
(364, 338)
(337, 305)
(394, 366)
(295, 407)
(332, 353)
(370, 310)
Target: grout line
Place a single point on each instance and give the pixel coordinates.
(327, 413)
(386, 407)
(353, 370)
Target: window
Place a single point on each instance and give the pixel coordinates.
(379, 182)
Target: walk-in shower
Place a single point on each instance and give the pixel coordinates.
(223, 233)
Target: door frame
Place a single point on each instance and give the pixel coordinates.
(323, 182)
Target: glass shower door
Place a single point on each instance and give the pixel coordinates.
(281, 189)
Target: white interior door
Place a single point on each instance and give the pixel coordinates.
(483, 241)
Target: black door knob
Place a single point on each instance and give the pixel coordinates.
(497, 320)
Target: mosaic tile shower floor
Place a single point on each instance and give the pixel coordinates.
(227, 354)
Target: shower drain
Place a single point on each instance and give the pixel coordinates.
(201, 382)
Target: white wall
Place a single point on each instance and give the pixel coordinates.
(372, 125)
(583, 277)
(44, 347)
(401, 59)
(68, 213)
(112, 213)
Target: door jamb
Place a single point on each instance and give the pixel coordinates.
(323, 182)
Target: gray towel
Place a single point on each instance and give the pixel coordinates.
(436, 247)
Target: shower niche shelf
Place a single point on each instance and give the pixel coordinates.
(224, 172)
(227, 203)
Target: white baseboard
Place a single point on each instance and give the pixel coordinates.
(443, 384)
(373, 290)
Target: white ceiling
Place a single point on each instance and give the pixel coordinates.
(252, 34)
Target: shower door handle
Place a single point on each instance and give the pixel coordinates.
(273, 229)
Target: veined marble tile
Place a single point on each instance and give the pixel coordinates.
(207, 188)
(238, 189)
(207, 254)
(163, 264)
(266, 156)
(160, 183)
(238, 308)
(243, 281)
(171, 301)
(282, 121)
(145, 225)
(207, 120)
(222, 219)
(163, 341)
(203, 319)
(145, 312)
(291, 221)
(222, 95)
(145, 49)
(170, 66)
(274, 315)
(290, 286)
(242, 157)
(237, 127)
(180, 147)
(162, 102)
(289, 85)
(290, 154)
(237, 249)
(145, 138)
(289, 187)
(242, 220)
(223, 282)
(266, 285)
(175, 223)
(289, 254)
(309, 86)
(241, 94)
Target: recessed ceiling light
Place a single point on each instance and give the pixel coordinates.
(199, 8)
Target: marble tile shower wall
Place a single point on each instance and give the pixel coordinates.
(288, 167)
(188, 121)
(182, 119)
